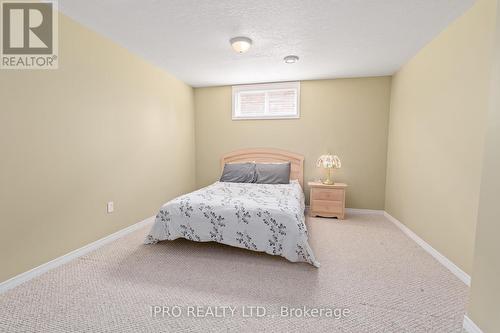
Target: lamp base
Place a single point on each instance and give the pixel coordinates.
(328, 180)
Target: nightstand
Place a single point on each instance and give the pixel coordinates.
(327, 200)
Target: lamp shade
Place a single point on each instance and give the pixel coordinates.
(329, 162)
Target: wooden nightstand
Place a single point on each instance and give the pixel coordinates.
(327, 200)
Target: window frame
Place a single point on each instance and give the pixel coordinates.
(265, 87)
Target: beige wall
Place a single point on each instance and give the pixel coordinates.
(436, 134)
(104, 126)
(348, 117)
(484, 305)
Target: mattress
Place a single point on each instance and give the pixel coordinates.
(258, 217)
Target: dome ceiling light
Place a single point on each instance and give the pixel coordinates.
(240, 44)
(291, 59)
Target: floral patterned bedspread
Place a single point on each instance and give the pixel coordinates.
(258, 217)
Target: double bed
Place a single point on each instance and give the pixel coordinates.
(260, 217)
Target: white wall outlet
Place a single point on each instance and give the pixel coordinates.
(111, 207)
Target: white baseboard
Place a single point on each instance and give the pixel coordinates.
(23, 277)
(464, 277)
(364, 211)
(358, 211)
(470, 326)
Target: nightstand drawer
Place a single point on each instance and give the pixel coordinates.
(328, 194)
(327, 206)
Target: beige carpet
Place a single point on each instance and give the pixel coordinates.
(388, 283)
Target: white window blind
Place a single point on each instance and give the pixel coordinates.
(266, 101)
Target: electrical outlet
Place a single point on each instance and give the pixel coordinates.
(111, 207)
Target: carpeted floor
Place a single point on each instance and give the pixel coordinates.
(385, 280)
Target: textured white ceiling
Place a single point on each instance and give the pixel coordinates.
(333, 38)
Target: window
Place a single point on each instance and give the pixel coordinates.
(266, 101)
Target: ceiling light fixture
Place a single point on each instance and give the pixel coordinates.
(240, 44)
(291, 59)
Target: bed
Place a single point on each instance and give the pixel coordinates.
(260, 217)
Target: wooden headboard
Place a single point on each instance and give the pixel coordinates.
(268, 155)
